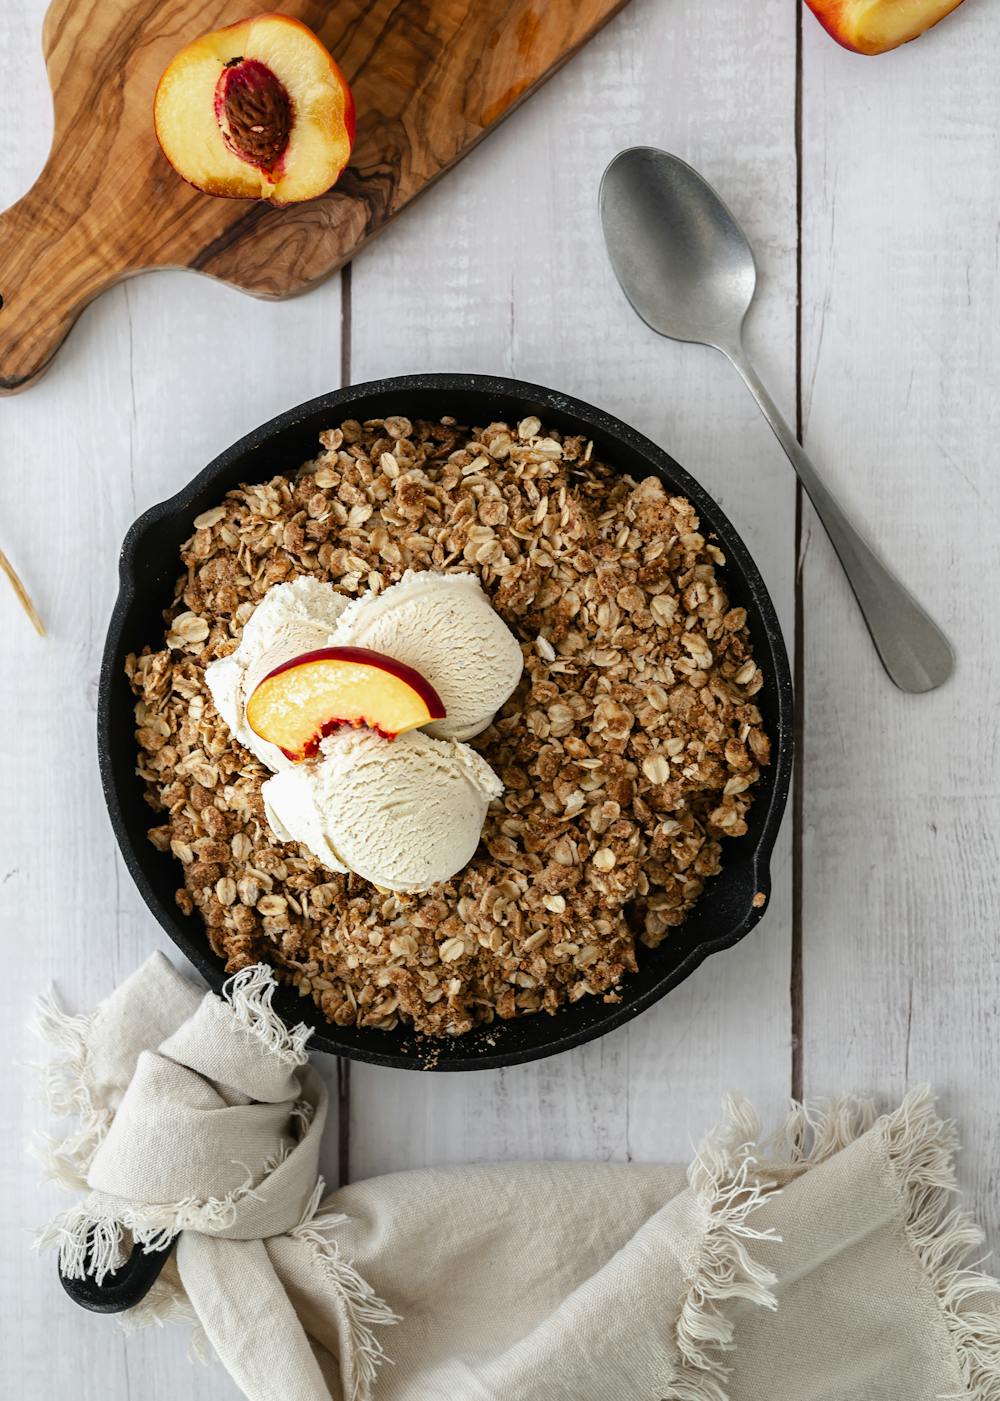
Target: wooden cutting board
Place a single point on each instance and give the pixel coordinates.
(430, 78)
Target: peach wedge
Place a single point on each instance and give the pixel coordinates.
(258, 110)
(314, 694)
(875, 26)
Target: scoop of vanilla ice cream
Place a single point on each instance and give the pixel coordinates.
(445, 627)
(403, 813)
(290, 619)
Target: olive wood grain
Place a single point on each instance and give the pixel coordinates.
(430, 78)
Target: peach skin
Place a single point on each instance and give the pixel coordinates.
(875, 26)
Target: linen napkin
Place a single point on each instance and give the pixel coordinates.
(829, 1262)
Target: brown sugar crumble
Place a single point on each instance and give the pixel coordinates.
(628, 752)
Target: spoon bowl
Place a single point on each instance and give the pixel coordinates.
(681, 258)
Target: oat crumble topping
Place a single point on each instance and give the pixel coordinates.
(628, 752)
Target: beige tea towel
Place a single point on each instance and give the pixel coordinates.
(829, 1264)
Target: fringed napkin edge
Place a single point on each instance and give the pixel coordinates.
(734, 1174)
(99, 1244)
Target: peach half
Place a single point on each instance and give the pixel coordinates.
(312, 695)
(875, 26)
(258, 110)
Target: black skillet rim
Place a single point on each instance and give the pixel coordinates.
(499, 1044)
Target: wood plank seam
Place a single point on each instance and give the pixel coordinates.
(343, 1065)
(797, 1009)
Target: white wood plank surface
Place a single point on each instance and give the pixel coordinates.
(158, 377)
(501, 268)
(901, 375)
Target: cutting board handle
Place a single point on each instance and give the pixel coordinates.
(107, 204)
(52, 263)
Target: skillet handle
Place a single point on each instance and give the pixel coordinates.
(124, 1287)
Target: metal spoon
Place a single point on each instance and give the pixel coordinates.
(686, 266)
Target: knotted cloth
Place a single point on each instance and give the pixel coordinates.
(827, 1264)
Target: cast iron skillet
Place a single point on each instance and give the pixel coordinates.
(149, 567)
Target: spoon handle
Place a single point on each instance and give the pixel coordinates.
(912, 648)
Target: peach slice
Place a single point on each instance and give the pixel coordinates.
(875, 26)
(258, 110)
(312, 695)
